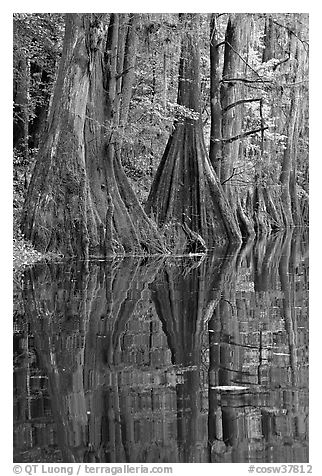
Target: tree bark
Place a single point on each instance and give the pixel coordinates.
(289, 156)
(215, 103)
(186, 189)
(128, 73)
(229, 94)
(269, 40)
(78, 186)
(290, 122)
(287, 167)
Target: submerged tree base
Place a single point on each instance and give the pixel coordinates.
(186, 189)
(260, 211)
(79, 201)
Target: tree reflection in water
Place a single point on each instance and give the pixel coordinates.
(188, 359)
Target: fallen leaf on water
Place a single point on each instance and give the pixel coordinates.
(230, 388)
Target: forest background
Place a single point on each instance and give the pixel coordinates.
(242, 96)
(315, 168)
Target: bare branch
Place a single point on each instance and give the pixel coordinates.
(234, 170)
(244, 134)
(241, 101)
(245, 80)
(281, 62)
(290, 85)
(220, 44)
(234, 174)
(125, 71)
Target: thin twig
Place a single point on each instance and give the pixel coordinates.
(234, 174)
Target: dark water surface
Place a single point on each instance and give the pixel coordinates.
(184, 359)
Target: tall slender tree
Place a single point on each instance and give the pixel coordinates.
(286, 47)
(215, 103)
(229, 95)
(186, 189)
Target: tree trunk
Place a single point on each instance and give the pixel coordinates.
(270, 40)
(120, 26)
(79, 195)
(289, 123)
(245, 220)
(126, 76)
(229, 93)
(287, 165)
(287, 179)
(186, 189)
(215, 104)
(128, 73)
(261, 219)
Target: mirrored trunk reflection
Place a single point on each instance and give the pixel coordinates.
(187, 359)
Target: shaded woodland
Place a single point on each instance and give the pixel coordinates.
(158, 133)
(162, 160)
